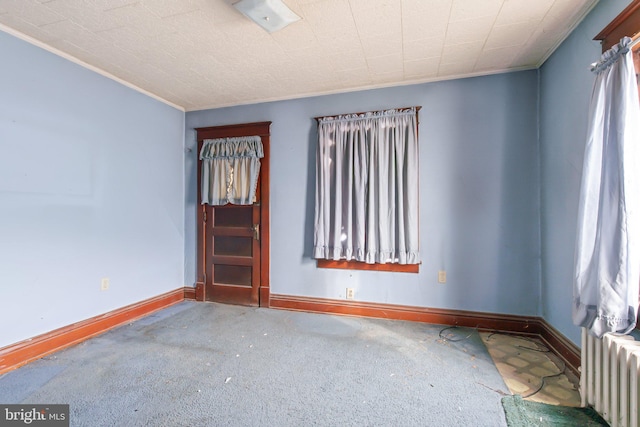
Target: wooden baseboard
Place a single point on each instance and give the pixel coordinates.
(265, 297)
(521, 325)
(562, 347)
(189, 293)
(199, 291)
(472, 319)
(23, 352)
(18, 354)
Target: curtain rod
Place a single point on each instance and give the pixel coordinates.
(635, 40)
(417, 107)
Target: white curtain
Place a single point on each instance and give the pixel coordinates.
(230, 170)
(607, 262)
(367, 188)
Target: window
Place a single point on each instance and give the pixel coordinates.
(627, 23)
(366, 213)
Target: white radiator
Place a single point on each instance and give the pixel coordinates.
(610, 378)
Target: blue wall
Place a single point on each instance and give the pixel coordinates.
(479, 194)
(565, 91)
(94, 183)
(91, 186)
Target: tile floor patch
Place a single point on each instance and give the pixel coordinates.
(499, 353)
(532, 356)
(508, 348)
(517, 362)
(525, 366)
(516, 386)
(540, 371)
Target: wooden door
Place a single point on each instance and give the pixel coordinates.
(233, 254)
(233, 241)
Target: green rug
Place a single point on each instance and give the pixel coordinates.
(523, 413)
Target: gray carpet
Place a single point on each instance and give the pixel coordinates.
(202, 364)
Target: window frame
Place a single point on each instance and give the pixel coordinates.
(343, 264)
(627, 23)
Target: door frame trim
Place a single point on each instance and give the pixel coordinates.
(243, 129)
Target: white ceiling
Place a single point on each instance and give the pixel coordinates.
(198, 54)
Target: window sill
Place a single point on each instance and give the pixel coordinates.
(356, 265)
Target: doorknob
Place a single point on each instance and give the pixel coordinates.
(256, 231)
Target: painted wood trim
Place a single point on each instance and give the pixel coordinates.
(561, 346)
(232, 294)
(521, 325)
(627, 23)
(15, 355)
(201, 233)
(245, 261)
(190, 293)
(265, 296)
(228, 131)
(357, 265)
(265, 221)
(200, 291)
(480, 320)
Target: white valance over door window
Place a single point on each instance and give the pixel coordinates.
(230, 170)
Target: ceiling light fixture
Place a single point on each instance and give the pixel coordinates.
(272, 15)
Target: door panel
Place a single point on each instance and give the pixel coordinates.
(232, 275)
(234, 254)
(232, 245)
(233, 216)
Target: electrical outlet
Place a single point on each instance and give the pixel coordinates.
(350, 293)
(104, 284)
(442, 276)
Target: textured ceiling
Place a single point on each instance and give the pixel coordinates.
(198, 54)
